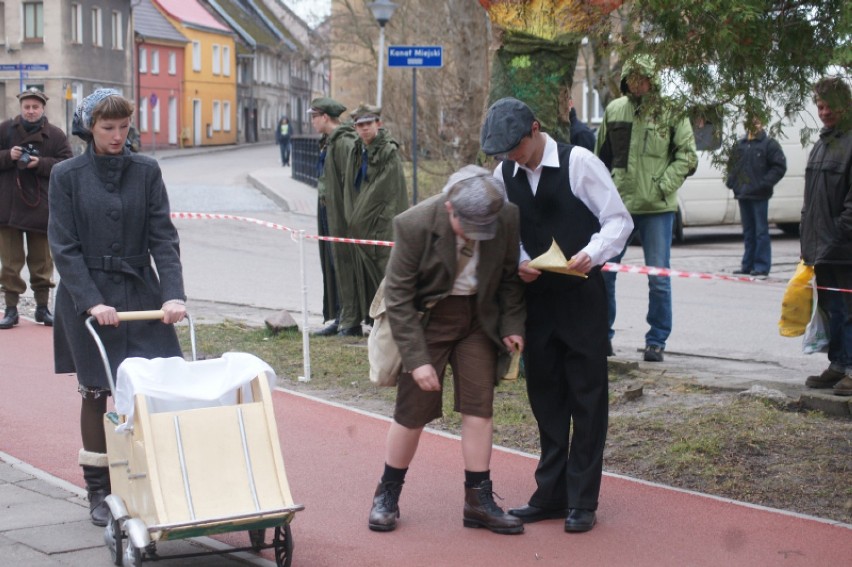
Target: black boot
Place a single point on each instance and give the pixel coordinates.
(43, 315)
(480, 511)
(385, 508)
(10, 318)
(96, 476)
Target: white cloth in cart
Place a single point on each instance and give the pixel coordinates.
(174, 384)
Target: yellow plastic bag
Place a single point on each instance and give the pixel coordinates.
(797, 304)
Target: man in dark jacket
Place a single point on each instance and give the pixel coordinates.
(826, 228)
(29, 148)
(581, 134)
(757, 165)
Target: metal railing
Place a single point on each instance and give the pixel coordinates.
(304, 156)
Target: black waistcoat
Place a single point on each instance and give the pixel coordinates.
(554, 212)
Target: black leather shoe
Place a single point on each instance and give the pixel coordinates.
(580, 520)
(10, 318)
(328, 331)
(355, 331)
(43, 315)
(529, 513)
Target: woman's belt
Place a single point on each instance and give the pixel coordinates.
(117, 263)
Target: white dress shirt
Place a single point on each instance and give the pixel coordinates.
(592, 184)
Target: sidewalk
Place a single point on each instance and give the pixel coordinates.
(333, 457)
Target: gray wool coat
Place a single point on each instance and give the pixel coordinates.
(109, 216)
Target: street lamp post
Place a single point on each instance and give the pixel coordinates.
(383, 11)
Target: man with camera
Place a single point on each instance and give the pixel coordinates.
(29, 148)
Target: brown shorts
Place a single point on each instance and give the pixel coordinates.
(454, 335)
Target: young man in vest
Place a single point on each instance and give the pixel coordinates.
(565, 194)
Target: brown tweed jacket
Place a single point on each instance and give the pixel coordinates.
(422, 268)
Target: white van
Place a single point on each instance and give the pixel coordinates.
(704, 200)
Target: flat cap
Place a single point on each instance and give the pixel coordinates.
(325, 105)
(366, 113)
(477, 198)
(507, 122)
(33, 92)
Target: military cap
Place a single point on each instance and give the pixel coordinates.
(325, 105)
(33, 92)
(506, 123)
(366, 113)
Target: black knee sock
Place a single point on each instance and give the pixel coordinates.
(471, 478)
(393, 474)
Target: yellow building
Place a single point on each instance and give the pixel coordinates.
(209, 87)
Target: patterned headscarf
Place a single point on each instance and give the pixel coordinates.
(81, 126)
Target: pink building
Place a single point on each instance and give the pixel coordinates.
(160, 74)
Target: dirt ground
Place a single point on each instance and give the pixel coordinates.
(668, 430)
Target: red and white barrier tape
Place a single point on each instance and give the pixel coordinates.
(608, 267)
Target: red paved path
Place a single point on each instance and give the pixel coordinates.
(333, 457)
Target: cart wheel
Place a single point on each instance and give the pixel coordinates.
(283, 542)
(132, 555)
(113, 537)
(257, 537)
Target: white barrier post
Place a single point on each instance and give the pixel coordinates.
(306, 343)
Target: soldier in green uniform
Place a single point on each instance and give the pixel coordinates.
(335, 147)
(374, 194)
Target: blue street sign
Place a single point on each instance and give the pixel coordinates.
(415, 56)
(153, 100)
(24, 67)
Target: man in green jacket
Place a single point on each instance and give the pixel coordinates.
(335, 146)
(374, 194)
(649, 155)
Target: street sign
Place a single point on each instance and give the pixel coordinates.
(415, 56)
(24, 67)
(153, 100)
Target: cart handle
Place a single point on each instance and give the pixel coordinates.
(133, 316)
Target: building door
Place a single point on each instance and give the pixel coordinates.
(196, 122)
(173, 122)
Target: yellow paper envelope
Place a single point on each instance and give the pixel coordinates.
(554, 261)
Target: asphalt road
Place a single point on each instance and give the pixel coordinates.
(723, 332)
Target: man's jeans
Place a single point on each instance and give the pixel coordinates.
(757, 256)
(837, 305)
(655, 230)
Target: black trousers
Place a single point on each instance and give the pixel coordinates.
(567, 384)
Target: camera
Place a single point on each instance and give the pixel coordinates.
(27, 154)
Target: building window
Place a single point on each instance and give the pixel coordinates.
(143, 60)
(593, 110)
(155, 61)
(117, 31)
(217, 115)
(155, 117)
(226, 60)
(76, 23)
(143, 114)
(34, 21)
(97, 28)
(226, 116)
(196, 56)
(217, 60)
(172, 63)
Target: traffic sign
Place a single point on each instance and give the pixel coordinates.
(415, 56)
(153, 100)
